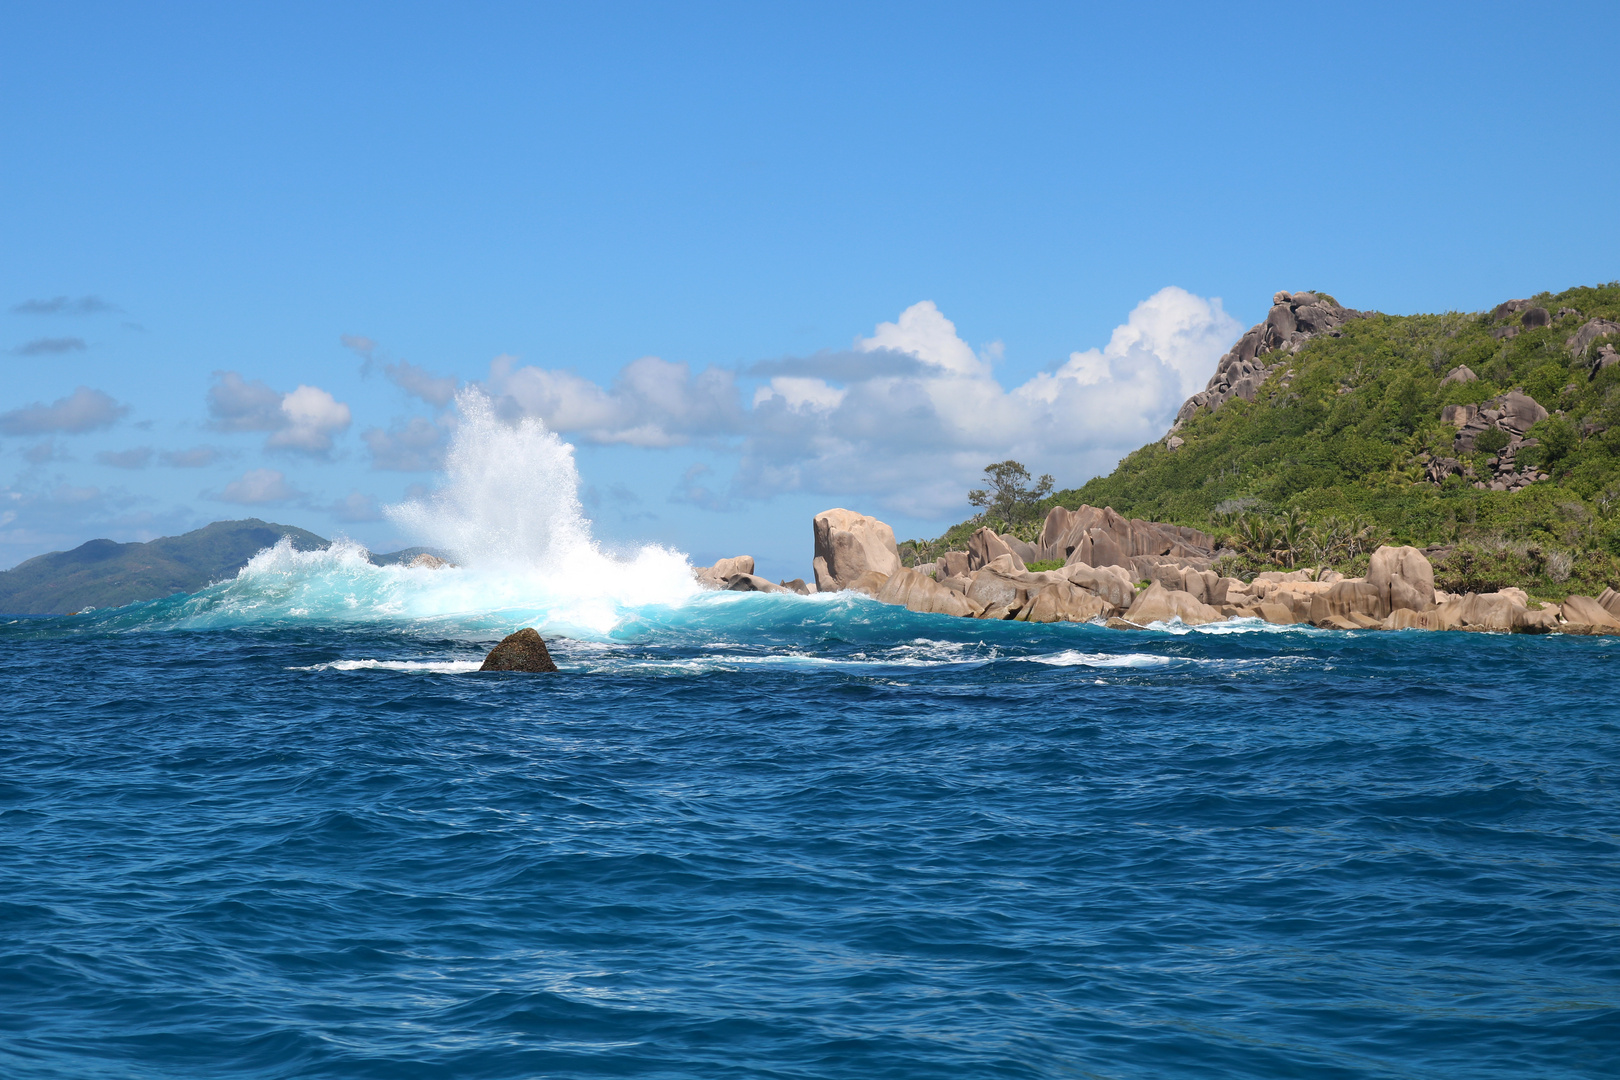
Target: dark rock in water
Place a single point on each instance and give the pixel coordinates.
(522, 651)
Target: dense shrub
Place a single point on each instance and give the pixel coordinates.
(1353, 431)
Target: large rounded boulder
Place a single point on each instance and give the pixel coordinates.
(850, 545)
(1403, 578)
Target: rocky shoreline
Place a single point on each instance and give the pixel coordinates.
(1130, 574)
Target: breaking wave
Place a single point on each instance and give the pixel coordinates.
(510, 518)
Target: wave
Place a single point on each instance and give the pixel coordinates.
(510, 517)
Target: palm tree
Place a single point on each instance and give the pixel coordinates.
(1294, 536)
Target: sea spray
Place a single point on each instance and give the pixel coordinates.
(508, 514)
(512, 500)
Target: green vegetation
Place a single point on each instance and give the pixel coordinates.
(1008, 498)
(1044, 564)
(1337, 443)
(1013, 506)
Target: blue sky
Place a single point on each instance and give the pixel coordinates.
(752, 260)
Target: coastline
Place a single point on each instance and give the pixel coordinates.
(1128, 574)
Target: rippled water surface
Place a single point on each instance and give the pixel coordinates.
(769, 837)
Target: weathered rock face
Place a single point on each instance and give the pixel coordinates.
(1065, 603)
(1610, 602)
(1403, 578)
(1294, 319)
(871, 583)
(986, 546)
(990, 589)
(919, 592)
(428, 561)
(716, 576)
(1348, 598)
(1158, 604)
(1107, 538)
(1520, 412)
(522, 651)
(849, 545)
(1460, 374)
(1591, 616)
(1513, 414)
(1111, 583)
(753, 583)
(797, 585)
(1581, 340)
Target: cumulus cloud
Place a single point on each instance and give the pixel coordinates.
(258, 487)
(908, 417)
(50, 346)
(83, 410)
(235, 404)
(138, 457)
(302, 420)
(914, 441)
(414, 445)
(313, 416)
(197, 457)
(64, 305)
(651, 402)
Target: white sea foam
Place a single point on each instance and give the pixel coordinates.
(1073, 658)
(508, 515)
(436, 667)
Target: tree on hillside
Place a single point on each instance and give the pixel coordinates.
(1007, 495)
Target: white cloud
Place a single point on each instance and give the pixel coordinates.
(303, 420)
(313, 416)
(80, 412)
(1185, 333)
(799, 393)
(907, 419)
(651, 403)
(915, 440)
(83, 410)
(238, 405)
(258, 487)
(921, 331)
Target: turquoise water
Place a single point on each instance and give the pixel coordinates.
(283, 829)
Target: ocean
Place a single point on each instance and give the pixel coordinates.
(284, 828)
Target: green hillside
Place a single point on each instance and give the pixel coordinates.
(103, 573)
(1347, 436)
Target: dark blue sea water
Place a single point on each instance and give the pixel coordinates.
(769, 837)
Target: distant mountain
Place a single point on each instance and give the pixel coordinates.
(104, 573)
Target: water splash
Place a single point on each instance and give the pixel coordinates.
(512, 501)
(508, 514)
